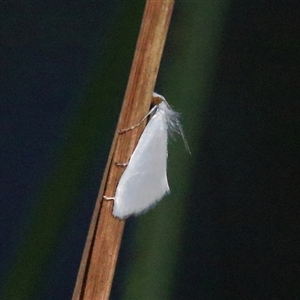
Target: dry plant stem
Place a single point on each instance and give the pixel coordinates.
(100, 254)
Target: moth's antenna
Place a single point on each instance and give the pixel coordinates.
(156, 99)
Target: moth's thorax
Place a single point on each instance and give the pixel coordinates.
(157, 99)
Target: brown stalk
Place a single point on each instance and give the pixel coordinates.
(102, 246)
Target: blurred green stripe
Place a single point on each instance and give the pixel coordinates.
(56, 198)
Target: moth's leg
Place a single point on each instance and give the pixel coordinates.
(118, 165)
(139, 123)
(108, 198)
(121, 164)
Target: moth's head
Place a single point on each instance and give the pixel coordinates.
(157, 99)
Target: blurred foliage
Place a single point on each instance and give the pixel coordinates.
(87, 133)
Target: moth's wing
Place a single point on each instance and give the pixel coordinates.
(144, 180)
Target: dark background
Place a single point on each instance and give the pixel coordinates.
(230, 228)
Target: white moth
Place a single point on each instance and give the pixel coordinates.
(144, 181)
